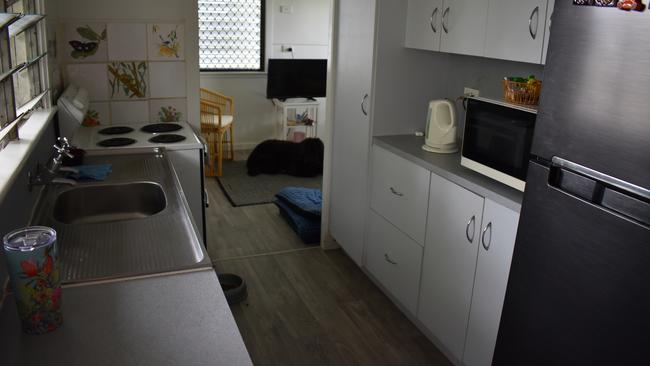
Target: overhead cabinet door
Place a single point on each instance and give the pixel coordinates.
(463, 25)
(423, 27)
(515, 30)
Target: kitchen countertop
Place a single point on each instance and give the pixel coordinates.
(448, 166)
(180, 319)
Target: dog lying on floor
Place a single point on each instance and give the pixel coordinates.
(302, 159)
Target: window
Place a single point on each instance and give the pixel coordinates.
(231, 35)
(23, 84)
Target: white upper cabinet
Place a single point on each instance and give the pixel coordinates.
(423, 27)
(463, 25)
(516, 29)
(549, 13)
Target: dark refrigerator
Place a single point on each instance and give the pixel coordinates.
(579, 286)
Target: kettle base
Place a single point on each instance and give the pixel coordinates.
(441, 150)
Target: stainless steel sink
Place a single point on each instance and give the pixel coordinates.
(136, 222)
(109, 203)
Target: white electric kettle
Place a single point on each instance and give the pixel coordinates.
(441, 128)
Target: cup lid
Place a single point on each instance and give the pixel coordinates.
(29, 238)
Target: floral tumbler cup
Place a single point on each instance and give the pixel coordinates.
(32, 258)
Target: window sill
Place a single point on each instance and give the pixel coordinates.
(16, 153)
(232, 74)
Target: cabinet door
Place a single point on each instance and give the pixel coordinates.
(423, 27)
(515, 30)
(453, 232)
(547, 34)
(463, 25)
(497, 242)
(394, 260)
(351, 127)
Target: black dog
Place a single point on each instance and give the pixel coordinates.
(303, 159)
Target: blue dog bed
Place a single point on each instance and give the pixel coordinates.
(301, 208)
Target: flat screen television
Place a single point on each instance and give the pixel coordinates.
(294, 78)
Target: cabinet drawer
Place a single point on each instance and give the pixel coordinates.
(394, 260)
(400, 192)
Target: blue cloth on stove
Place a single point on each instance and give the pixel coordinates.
(92, 172)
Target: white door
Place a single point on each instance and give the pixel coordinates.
(463, 25)
(497, 242)
(351, 127)
(515, 30)
(450, 252)
(423, 27)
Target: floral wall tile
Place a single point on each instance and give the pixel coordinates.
(98, 114)
(127, 41)
(91, 77)
(166, 42)
(129, 112)
(85, 42)
(168, 110)
(128, 79)
(167, 79)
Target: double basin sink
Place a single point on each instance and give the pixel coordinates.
(134, 223)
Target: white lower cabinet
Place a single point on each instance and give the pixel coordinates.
(451, 246)
(465, 269)
(394, 260)
(497, 241)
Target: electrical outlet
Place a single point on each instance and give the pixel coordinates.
(469, 92)
(286, 9)
(284, 48)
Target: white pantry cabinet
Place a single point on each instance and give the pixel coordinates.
(351, 127)
(465, 269)
(455, 26)
(516, 29)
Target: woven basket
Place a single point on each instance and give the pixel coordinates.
(521, 93)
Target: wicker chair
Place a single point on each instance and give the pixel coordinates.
(217, 118)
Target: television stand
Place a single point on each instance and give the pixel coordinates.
(299, 114)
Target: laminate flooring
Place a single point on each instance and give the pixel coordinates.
(245, 231)
(306, 306)
(317, 307)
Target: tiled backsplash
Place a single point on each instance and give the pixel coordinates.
(134, 72)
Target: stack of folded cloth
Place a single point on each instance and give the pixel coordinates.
(301, 208)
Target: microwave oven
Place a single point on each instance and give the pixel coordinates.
(497, 139)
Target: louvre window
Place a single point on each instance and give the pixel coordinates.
(231, 35)
(23, 63)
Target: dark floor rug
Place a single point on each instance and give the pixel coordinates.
(244, 190)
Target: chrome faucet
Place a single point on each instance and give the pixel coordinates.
(48, 175)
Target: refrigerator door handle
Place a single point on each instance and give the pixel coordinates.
(604, 178)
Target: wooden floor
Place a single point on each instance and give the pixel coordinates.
(306, 306)
(317, 308)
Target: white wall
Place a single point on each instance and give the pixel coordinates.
(144, 11)
(307, 30)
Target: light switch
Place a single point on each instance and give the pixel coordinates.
(286, 9)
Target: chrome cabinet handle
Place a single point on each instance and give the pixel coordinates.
(397, 193)
(487, 244)
(472, 222)
(387, 258)
(530, 22)
(363, 105)
(444, 20)
(433, 18)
